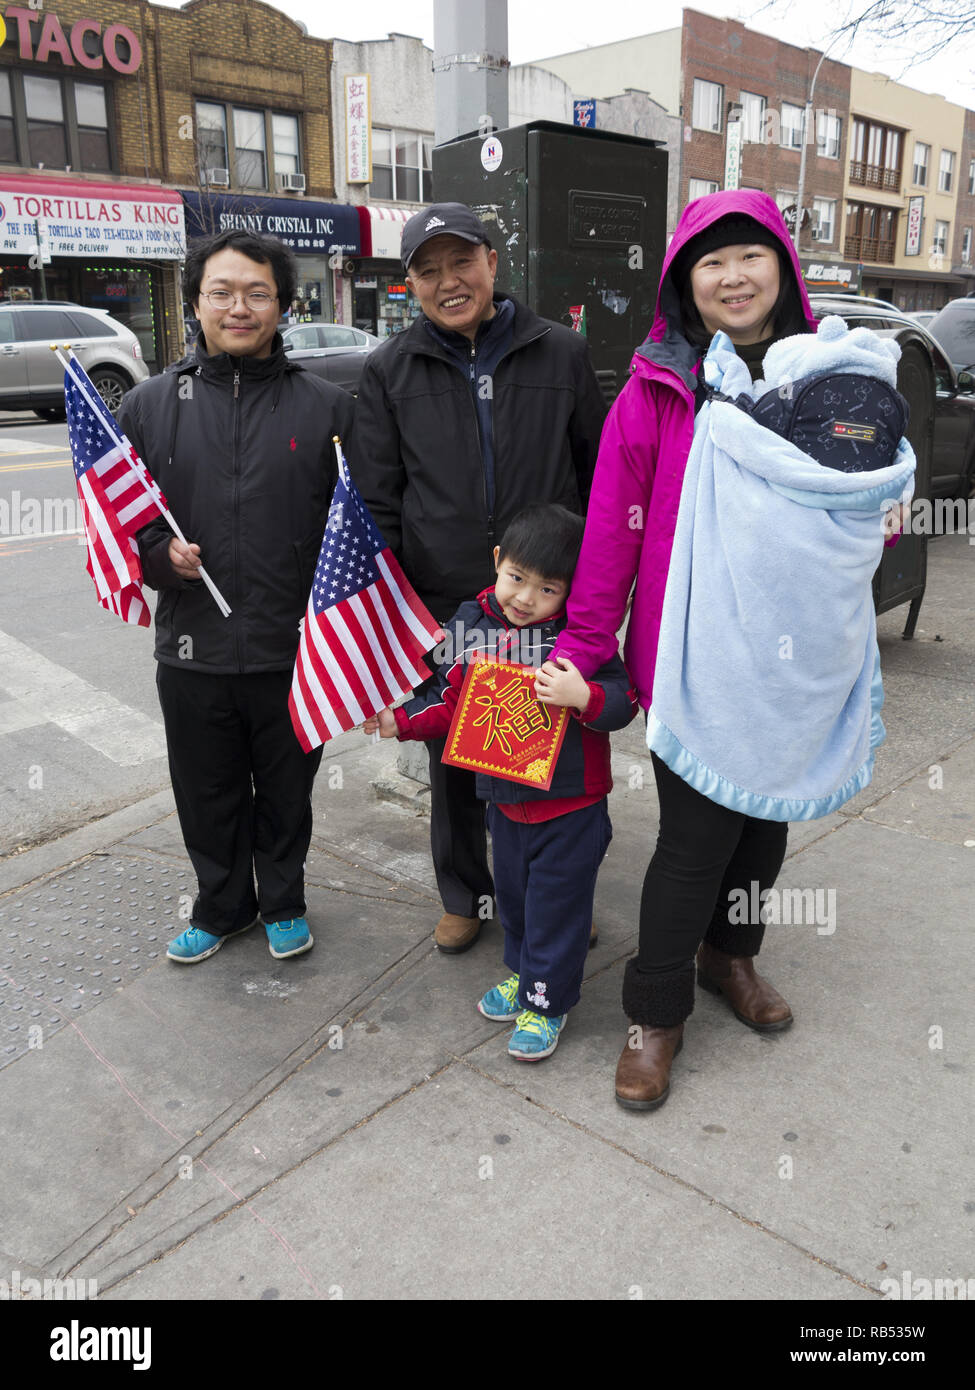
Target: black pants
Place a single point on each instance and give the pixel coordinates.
(458, 838)
(705, 854)
(243, 786)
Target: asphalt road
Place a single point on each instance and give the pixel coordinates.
(80, 730)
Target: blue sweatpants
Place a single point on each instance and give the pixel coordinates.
(544, 883)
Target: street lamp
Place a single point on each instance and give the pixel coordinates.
(806, 115)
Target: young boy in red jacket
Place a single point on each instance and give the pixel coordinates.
(547, 845)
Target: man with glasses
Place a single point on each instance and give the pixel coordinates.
(240, 441)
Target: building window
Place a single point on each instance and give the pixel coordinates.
(946, 171)
(790, 135)
(940, 245)
(401, 165)
(55, 122)
(700, 188)
(966, 246)
(752, 117)
(971, 176)
(47, 142)
(825, 214)
(284, 130)
(829, 129)
(8, 134)
(870, 233)
(708, 105)
(243, 162)
(922, 158)
(876, 155)
(250, 148)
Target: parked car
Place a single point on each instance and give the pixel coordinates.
(933, 387)
(331, 350)
(924, 317)
(32, 378)
(954, 328)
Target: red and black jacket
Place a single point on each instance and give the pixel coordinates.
(582, 772)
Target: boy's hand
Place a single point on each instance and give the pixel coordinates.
(384, 722)
(565, 686)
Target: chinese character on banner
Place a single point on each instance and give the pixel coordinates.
(358, 129)
(501, 729)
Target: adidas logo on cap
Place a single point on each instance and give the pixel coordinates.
(434, 222)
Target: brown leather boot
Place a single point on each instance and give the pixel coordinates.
(752, 999)
(454, 934)
(643, 1070)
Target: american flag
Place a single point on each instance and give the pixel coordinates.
(112, 484)
(364, 632)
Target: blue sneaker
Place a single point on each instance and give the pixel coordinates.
(196, 944)
(535, 1036)
(501, 1003)
(288, 938)
(193, 945)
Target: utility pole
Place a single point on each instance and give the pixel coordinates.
(470, 66)
(806, 117)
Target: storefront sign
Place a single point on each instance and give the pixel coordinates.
(41, 37)
(823, 276)
(82, 219)
(732, 155)
(584, 114)
(915, 221)
(358, 127)
(308, 228)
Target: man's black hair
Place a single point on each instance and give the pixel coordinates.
(786, 319)
(265, 250)
(544, 538)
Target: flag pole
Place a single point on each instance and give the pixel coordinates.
(344, 473)
(140, 470)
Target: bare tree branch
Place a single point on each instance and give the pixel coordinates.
(919, 29)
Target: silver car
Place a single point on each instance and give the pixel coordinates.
(332, 350)
(32, 378)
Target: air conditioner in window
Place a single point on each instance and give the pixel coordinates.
(291, 183)
(218, 178)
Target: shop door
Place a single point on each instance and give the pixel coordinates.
(126, 292)
(364, 309)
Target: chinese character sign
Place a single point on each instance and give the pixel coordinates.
(358, 129)
(501, 729)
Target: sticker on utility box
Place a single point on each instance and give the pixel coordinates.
(491, 153)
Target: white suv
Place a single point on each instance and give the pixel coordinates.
(32, 378)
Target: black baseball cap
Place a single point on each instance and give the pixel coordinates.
(440, 219)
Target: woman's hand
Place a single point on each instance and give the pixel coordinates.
(561, 687)
(384, 722)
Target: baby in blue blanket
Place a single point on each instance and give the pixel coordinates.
(833, 394)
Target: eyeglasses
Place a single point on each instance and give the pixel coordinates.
(223, 299)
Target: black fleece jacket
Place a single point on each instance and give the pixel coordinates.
(242, 449)
(420, 464)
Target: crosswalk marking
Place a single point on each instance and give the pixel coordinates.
(42, 692)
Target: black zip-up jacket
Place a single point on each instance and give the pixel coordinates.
(419, 462)
(242, 449)
(479, 628)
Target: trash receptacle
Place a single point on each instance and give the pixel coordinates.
(902, 573)
(578, 218)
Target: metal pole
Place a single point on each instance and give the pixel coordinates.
(470, 67)
(802, 157)
(40, 258)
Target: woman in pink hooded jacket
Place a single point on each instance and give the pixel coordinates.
(730, 266)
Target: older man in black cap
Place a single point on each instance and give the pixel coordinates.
(478, 409)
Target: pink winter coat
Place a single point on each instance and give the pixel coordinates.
(640, 471)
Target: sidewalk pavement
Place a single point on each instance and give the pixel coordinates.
(345, 1124)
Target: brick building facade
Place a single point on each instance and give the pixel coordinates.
(222, 105)
(963, 249)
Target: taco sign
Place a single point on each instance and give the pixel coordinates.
(86, 44)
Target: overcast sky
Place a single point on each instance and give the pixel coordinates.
(541, 28)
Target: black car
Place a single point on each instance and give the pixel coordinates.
(331, 350)
(954, 328)
(942, 399)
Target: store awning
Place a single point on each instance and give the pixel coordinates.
(382, 229)
(119, 221)
(310, 229)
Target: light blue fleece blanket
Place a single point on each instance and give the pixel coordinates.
(767, 690)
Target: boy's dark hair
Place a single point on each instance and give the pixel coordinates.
(266, 250)
(545, 538)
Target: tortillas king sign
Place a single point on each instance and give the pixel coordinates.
(86, 44)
